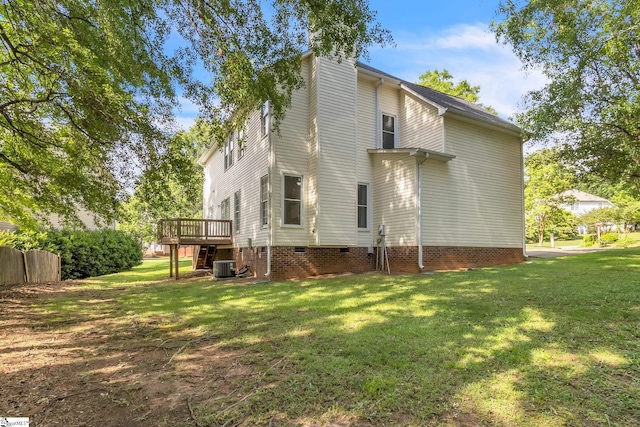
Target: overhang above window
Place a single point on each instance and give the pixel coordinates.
(415, 152)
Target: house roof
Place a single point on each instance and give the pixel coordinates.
(581, 196)
(447, 103)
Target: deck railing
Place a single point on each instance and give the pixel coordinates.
(185, 229)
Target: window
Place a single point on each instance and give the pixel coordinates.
(363, 205)
(228, 152)
(264, 122)
(236, 211)
(388, 131)
(264, 200)
(292, 200)
(241, 144)
(224, 209)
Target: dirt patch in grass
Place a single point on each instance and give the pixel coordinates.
(97, 372)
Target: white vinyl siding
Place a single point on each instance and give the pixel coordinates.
(394, 198)
(291, 157)
(244, 176)
(389, 99)
(312, 181)
(336, 121)
(475, 199)
(366, 139)
(420, 124)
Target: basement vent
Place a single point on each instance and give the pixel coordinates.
(344, 249)
(300, 250)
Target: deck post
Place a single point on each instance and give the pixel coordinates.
(177, 263)
(170, 260)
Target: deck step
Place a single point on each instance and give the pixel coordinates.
(206, 254)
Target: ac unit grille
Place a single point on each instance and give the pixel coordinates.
(223, 269)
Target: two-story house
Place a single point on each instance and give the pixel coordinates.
(368, 171)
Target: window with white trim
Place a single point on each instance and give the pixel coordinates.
(241, 144)
(236, 211)
(264, 119)
(363, 206)
(292, 209)
(225, 209)
(264, 200)
(388, 131)
(228, 152)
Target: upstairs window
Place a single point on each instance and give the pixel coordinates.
(228, 152)
(292, 200)
(236, 211)
(264, 200)
(388, 131)
(241, 144)
(264, 121)
(363, 206)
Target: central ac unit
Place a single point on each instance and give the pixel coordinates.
(224, 269)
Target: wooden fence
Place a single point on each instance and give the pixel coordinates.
(28, 267)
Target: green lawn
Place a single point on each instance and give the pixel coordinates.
(549, 343)
(578, 241)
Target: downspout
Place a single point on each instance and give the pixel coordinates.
(378, 124)
(270, 204)
(419, 214)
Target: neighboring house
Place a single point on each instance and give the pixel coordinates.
(584, 202)
(360, 149)
(89, 220)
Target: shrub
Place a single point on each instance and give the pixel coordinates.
(607, 239)
(84, 253)
(624, 242)
(589, 240)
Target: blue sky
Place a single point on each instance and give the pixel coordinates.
(451, 34)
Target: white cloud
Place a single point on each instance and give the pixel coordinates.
(469, 52)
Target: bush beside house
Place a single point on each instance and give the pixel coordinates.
(83, 253)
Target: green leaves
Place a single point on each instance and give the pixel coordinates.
(89, 87)
(442, 81)
(546, 176)
(589, 51)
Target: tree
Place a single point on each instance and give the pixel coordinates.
(442, 81)
(171, 190)
(88, 88)
(589, 50)
(545, 178)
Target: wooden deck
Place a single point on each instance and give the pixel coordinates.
(185, 231)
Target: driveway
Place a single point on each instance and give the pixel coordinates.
(561, 251)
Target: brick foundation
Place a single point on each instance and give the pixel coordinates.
(255, 258)
(451, 258)
(297, 262)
